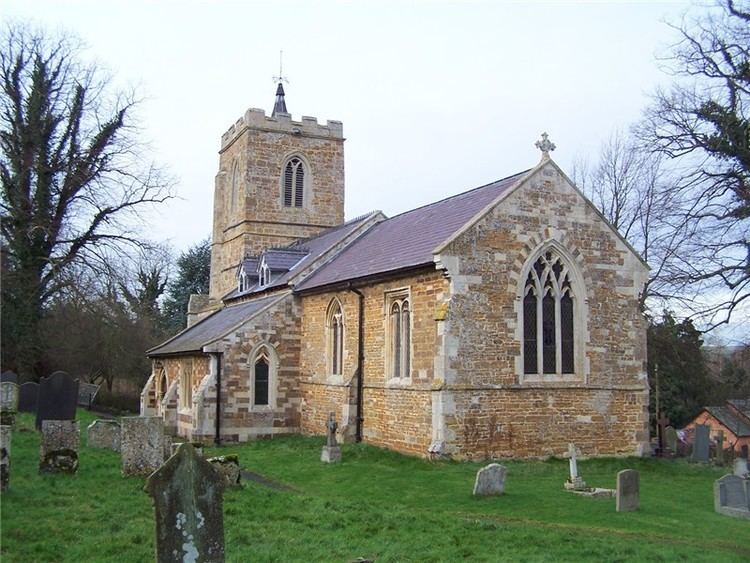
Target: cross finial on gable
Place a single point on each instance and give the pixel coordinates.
(545, 145)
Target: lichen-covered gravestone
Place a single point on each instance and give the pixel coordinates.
(628, 496)
(188, 497)
(8, 403)
(58, 395)
(58, 451)
(5, 436)
(141, 444)
(103, 434)
(228, 466)
(732, 496)
(490, 480)
(28, 396)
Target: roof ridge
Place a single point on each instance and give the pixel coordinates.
(334, 228)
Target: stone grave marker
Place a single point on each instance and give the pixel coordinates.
(8, 402)
(9, 376)
(188, 497)
(575, 482)
(141, 444)
(103, 433)
(228, 466)
(331, 451)
(5, 437)
(670, 439)
(719, 447)
(197, 446)
(86, 394)
(741, 468)
(744, 451)
(28, 395)
(58, 395)
(490, 480)
(58, 452)
(628, 495)
(732, 496)
(701, 442)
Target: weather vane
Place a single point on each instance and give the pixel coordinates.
(281, 78)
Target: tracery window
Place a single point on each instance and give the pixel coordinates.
(294, 182)
(335, 331)
(548, 317)
(399, 336)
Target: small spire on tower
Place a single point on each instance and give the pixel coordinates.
(279, 105)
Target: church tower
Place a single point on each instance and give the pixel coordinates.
(279, 180)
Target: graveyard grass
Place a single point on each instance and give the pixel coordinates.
(375, 504)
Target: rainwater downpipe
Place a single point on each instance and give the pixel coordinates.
(360, 362)
(217, 437)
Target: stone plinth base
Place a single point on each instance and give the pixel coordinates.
(330, 454)
(576, 484)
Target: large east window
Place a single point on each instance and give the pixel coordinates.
(548, 317)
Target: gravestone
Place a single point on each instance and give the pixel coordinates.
(661, 425)
(732, 496)
(628, 496)
(103, 433)
(86, 394)
(720, 447)
(331, 452)
(575, 482)
(141, 444)
(188, 497)
(8, 403)
(9, 376)
(701, 442)
(28, 395)
(741, 468)
(58, 395)
(5, 437)
(490, 480)
(670, 439)
(744, 452)
(197, 446)
(228, 466)
(58, 452)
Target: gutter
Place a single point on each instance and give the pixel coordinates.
(217, 435)
(360, 361)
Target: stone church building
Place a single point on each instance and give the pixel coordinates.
(503, 321)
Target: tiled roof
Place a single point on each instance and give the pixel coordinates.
(736, 424)
(216, 325)
(282, 259)
(407, 240)
(742, 405)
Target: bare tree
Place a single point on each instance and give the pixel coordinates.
(72, 176)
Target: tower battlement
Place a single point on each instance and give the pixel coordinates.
(255, 118)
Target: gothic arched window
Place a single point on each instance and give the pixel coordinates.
(294, 182)
(335, 331)
(261, 379)
(548, 317)
(399, 337)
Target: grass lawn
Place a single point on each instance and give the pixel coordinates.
(376, 504)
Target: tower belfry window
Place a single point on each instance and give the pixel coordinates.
(294, 183)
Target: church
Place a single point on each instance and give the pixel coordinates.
(503, 321)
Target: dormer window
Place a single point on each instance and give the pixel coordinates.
(294, 182)
(264, 275)
(243, 282)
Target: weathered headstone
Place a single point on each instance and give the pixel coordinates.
(331, 452)
(197, 446)
(5, 437)
(8, 402)
(188, 497)
(10, 376)
(103, 433)
(670, 439)
(228, 466)
(86, 394)
(28, 395)
(720, 447)
(628, 496)
(732, 496)
(741, 468)
(141, 444)
(575, 482)
(490, 480)
(58, 395)
(744, 451)
(58, 452)
(701, 442)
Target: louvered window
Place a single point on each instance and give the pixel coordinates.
(294, 183)
(548, 318)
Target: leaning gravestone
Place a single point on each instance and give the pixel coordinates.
(5, 436)
(58, 452)
(628, 496)
(141, 444)
(28, 395)
(490, 480)
(228, 466)
(8, 403)
(103, 434)
(58, 395)
(331, 452)
(188, 496)
(732, 496)
(9, 376)
(701, 443)
(574, 482)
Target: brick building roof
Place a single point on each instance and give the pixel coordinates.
(738, 425)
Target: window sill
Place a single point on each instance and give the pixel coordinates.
(397, 382)
(261, 408)
(550, 378)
